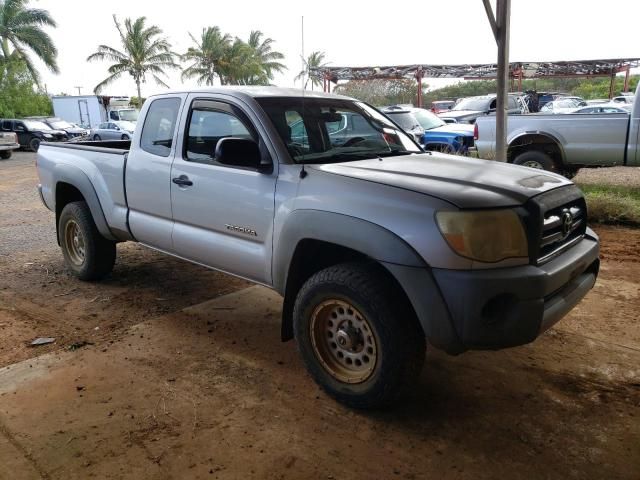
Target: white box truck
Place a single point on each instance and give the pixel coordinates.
(90, 110)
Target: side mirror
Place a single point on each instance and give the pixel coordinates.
(238, 152)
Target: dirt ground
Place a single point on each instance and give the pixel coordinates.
(183, 376)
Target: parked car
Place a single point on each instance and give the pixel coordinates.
(440, 106)
(407, 119)
(603, 108)
(71, 129)
(470, 108)
(113, 131)
(32, 132)
(8, 143)
(565, 143)
(623, 99)
(597, 101)
(562, 105)
(437, 135)
(375, 246)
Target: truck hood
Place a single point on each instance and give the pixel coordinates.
(465, 129)
(461, 113)
(464, 182)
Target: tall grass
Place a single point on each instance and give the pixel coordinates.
(613, 204)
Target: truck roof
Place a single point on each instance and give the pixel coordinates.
(258, 91)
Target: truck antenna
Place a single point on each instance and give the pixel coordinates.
(303, 172)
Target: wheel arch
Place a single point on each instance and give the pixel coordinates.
(541, 141)
(312, 240)
(71, 185)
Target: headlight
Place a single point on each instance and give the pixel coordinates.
(485, 236)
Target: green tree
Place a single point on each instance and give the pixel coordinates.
(232, 62)
(17, 95)
(144, 51)
(266, 58)
(315, 60)
(380, 92)
(208, 56)
(21, 32)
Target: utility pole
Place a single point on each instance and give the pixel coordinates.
(79, 92)
(500, 26)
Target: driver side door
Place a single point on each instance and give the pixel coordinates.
(223, 215)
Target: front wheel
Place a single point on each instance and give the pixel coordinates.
(96, 138)
(124, 137)
(34, 144)
(535, 159)
(357, 335)
(86, 252)
(5, 154)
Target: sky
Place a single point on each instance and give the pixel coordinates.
(350, 32)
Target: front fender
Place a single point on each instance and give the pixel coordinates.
(365, 237)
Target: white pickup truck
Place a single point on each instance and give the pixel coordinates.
(564, 143)
(375, 245)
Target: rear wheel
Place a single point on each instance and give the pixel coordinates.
(34, 144)
(535, 159)
(359, 339)
(96, 138)
(5, 154)
(86, 252)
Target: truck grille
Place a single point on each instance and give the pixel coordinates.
(562, 215)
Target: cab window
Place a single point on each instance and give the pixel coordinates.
(159, 126)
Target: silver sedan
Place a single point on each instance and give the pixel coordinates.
(113, 131)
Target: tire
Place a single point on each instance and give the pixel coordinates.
(34, 144)
(87, 254)
(536, 159)
(96, 138)
(350, 300)
(5, 154)
(124, 137)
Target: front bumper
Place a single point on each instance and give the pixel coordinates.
(505, 307)
(9, 146)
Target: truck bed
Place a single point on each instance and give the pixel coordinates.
(598, 139)
(102, 162)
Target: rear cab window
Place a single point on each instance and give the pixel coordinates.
(159, 126)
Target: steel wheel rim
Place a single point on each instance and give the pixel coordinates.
(74, 241)
(533, 164)
(343, 341)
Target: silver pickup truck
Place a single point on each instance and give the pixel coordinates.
(375, 245)
(564, 143)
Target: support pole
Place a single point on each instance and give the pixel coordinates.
(612, 85)
(419, 79)
(626, 80)
(503, 10)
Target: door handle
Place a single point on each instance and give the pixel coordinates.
(183, 181)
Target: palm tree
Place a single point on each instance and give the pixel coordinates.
(265, 57)
(315, 60)
(144, 51)
(208, 56)
(21, 29)
(241, 66)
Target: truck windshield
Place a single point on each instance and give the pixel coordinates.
(128, 115)
(60, 125)
(36, 125)
(427, 119)
(473, 103)
(326, 130)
